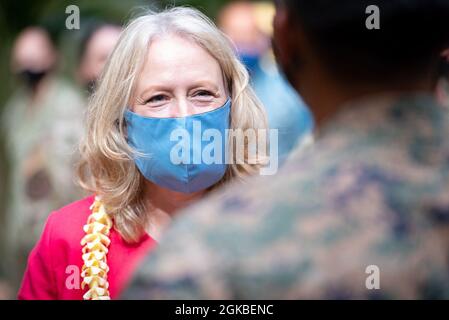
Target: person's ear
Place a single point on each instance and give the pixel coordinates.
(280, 41)
(287, 42)
(445, 54)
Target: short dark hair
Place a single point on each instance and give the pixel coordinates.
(411, 35)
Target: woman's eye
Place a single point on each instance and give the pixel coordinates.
(203, 93)
(157, 99)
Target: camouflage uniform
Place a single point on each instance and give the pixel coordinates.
(373, 190)
(41, 142)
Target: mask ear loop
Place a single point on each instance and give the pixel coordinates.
(123, 130)
(122, 127)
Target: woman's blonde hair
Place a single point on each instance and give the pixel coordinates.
(107, 167)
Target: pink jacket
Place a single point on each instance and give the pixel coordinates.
(54, 265)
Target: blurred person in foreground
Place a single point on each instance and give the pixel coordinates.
(364, 213)
(249, 26)
(172, 74)
(96, 46)
(42, 123)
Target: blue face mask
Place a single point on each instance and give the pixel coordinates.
(176, 152)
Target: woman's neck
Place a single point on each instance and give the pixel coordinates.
(164, 203)
(167, 200)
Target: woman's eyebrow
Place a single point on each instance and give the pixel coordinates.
(204, 83)
(154, 88)
(164, 88)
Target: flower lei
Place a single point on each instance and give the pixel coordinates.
(95, 248)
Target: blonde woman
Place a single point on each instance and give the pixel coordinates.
(169, 74)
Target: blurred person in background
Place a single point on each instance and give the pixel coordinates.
(42, 122)
(97, 44)
(249, 26)
(170, 72)
(365, 212)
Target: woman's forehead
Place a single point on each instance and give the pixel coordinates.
(177, 59)
(177, 51)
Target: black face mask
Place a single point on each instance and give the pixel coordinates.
(32, 78)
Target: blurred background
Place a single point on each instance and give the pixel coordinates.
(47, 74)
